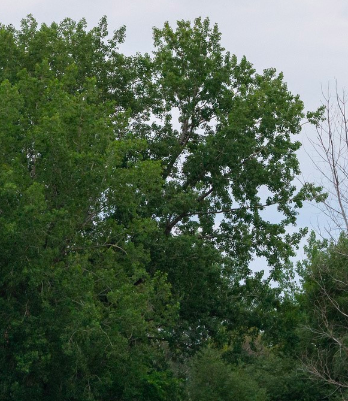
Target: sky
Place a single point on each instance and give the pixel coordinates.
(305, 39)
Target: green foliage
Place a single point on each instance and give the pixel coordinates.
(132, 200)
(324, 300)
(73, 323)
(283, 378)
(224, 137)
(211, 379)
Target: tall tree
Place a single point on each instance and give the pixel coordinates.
(224, 136)
(133, 194)
(74, 324)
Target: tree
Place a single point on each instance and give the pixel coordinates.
(325, 279)
(73, 323)
(224, 137)
(330, 159)
(324, 301)
(210, 378)
(126, 235)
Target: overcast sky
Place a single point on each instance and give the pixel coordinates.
(305, 39)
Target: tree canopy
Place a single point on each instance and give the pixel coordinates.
(134, 192)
